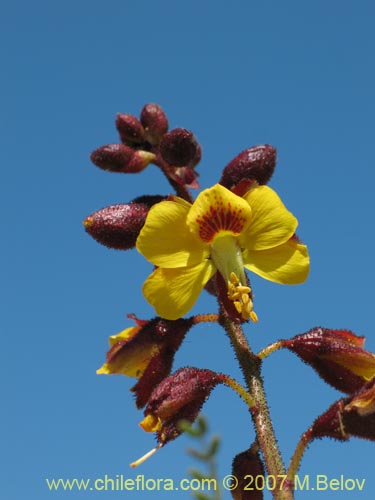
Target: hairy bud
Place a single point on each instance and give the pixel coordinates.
(179, 148)
(121, 158)
(118, 226)
(245, 465)
(256, 163)
(130, 129)
(155, 123)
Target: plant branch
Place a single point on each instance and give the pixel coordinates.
(250, 366)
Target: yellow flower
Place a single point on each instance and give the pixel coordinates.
(221, 232)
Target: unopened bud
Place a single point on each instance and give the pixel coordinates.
(155, 123)
(245, 465)
(130, 129)
(256, 163)
(179, 148)
(121, 158)
(118, 226)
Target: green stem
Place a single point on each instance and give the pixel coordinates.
(295, 462)
(250, 366)
(270, 349)
(239, 389)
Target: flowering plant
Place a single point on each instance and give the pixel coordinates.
(240, 224)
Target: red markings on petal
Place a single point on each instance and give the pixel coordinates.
(221, 216)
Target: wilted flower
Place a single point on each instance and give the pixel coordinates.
(177, 398)
(351, 416)
(146, 352)
(337, 355)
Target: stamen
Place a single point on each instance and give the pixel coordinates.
(239, 294)
(145, 456)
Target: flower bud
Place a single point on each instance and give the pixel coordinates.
(155, 123)
(177, 398)
(130, 129)
(180, 148)
(337, 356)
(118, 226)
(146, 352)
(256, 163)
(352, 416)
(245, 465)
(121, 158)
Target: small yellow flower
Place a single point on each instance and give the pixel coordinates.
(221, 232)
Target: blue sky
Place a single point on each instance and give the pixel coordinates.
(297, 75)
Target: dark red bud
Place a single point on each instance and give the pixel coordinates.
(155, 123)
(111, 156)
(245, 465)
(177, 398)
(256, 163)
(180, 148)
(130, 129)
(121, 158)
(118, 226)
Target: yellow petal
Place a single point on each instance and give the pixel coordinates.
(165, 239)
(131, 362)
(218, 211)
(127, 359)
(359, 363)
(287, 264)
(123, 335)
(271, 223)
(173, 292)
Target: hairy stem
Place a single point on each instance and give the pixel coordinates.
(250, 366)
(295, 462)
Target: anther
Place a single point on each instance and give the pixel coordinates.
(239, 294)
